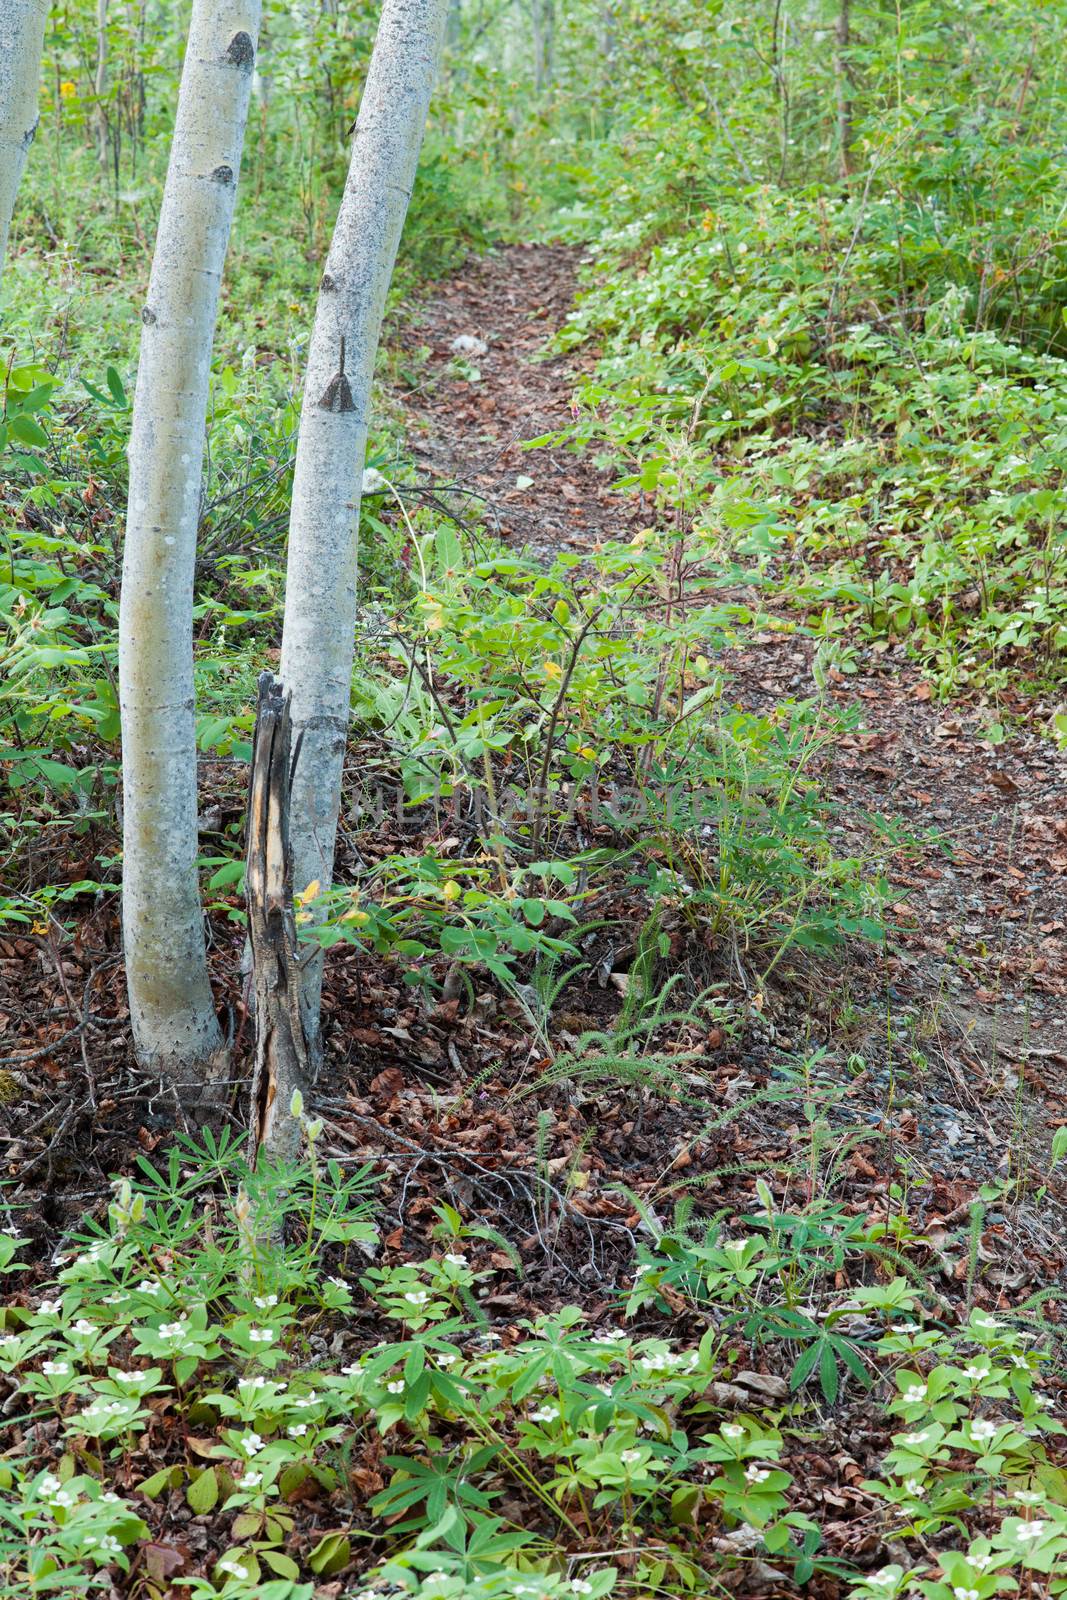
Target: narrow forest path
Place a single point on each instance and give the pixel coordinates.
(980, 970)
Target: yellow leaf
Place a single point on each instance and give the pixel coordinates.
(309, 893)
(68, 90)
(553, 669)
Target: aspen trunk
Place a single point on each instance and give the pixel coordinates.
(282, 1047)
(320, 596)
(171, 1007)
(21, 47)
(845, 130)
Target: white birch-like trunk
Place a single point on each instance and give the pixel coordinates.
(22, 24)
(320, 596)
(171, 1008)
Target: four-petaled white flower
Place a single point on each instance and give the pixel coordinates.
(49, 1308)
(49, 1484)
(396, 1386)
(83, 1327)
(251, 1443)
(352, 1370)
(297, 1430)
(960, 1593)
(913, 1439)
(629, 1458)
(232, 1568)
(261, 1335)
(1027, 1532)
(264, 1301)
(126, 1377)
(732, 1430)
(580, 1586)
(756, 1474)
(338, 1283)
(55, 1369)
(984, 1429)
(976, 1373)
(913, 1487)
(251, 1480)
(544, 1414)
(914, 1393)
(883, 1578)
(150, 1286)
(456, 1260)
(417, 1297)
(1029, 1497)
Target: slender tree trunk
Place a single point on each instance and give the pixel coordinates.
(100, 83)
(282, 1046)
(845, 130)
(320, 595)
(174, 1022)
(21, 49)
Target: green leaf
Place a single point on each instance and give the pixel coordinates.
(203, 1493)
(283, 1565)
(26, 430)
(168, 1478)
(114, 383)
(330, 1555)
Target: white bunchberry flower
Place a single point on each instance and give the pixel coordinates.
(126, 1377)
(1028, 1532)
(264, 1301)
(1029, 1497)
(83, 1327)
(297, 1430)
(49, 1308)
(732, 1430)
(982, 1321)
(913, 1487)
(303, 1401)
(150, 1286)
(261, 1335)
(883, 1578)
(975, 1373)
(111, 1498)
(914, 1393)
(250, 1480)
(232, 1568)
(456, 1261)
(174, 1330)
(338, 1283)
(417, 1297)
(581, 1586)
(251, 1443)
(396, 1386)
(629, 1458)
(960, 1593)
(984, 1429)
(49, 1484)
(544, 1414)
(352, 1370)
(62, 1497)
(756, 1474)
(912, 1439)
(55, 1369)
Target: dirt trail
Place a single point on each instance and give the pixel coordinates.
(980, 977)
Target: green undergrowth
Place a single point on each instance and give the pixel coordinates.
(234, 1345)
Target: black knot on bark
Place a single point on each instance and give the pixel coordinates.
(148, 317)
(240, 51)
(223, 175)
(327, 282)
(337, 396)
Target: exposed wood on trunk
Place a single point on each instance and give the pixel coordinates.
(283, 1060)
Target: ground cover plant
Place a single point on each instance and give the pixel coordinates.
(674, 1202)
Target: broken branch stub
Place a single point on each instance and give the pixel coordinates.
(283, 1058)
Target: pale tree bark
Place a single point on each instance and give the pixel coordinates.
(845, 130)
(22, 24)
(174, 1023)
(100, 83)
(320, 595)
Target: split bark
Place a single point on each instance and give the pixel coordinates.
(174, 1023)
(282, 1054)
(21, 48)
(320, 599)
